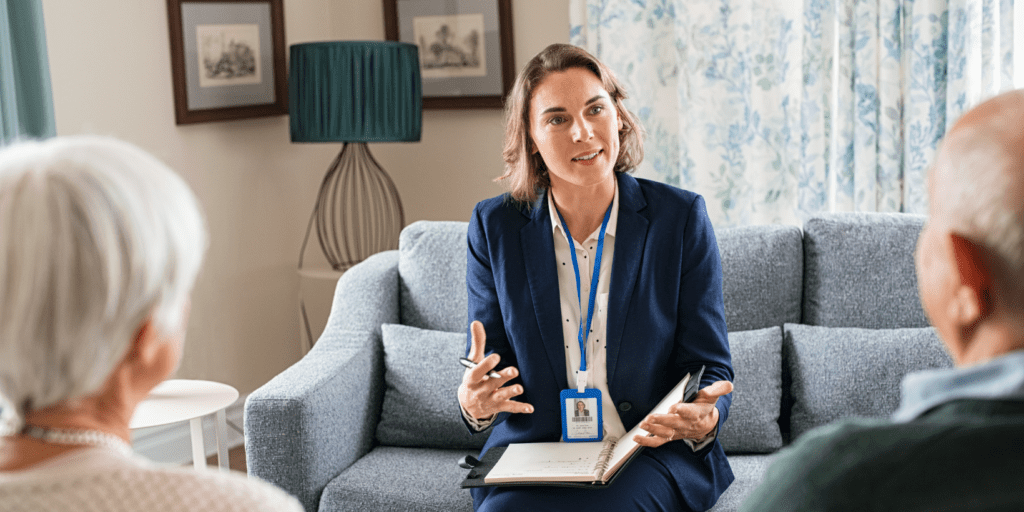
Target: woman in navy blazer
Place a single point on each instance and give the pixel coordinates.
(568, 134)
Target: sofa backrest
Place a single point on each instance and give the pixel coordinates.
(859, 271)
(844, 270)
(762, 276)
(762, 269)
(432, 276)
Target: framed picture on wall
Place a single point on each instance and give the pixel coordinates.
(465, 47)
(227, 59)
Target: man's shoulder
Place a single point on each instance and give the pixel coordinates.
(857, 462)
(823, 445)
(868, 445)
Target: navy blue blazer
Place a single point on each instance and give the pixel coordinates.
(665, 316)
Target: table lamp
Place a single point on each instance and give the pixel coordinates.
(355, 92)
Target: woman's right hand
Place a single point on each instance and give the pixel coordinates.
(482, 396)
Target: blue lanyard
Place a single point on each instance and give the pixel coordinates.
(596, 274)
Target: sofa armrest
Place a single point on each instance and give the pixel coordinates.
(316, 418)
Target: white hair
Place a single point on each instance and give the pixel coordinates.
(96, 237)
(979, 174)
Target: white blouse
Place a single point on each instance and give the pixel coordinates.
(597, 356)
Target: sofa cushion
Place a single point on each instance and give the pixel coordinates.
(753, 424)
(842, 372)
(421, 377)
(408, 479)
(762, 275)
(859, 271)
(432, 270)
(749, 471)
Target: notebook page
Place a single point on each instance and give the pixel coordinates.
(625, 446)
(547, 462)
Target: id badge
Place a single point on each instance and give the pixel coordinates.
(581, 415)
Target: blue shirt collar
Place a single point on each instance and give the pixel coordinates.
(999, 378)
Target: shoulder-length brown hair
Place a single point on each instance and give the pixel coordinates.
(525, 171)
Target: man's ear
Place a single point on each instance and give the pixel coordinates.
(973, 299)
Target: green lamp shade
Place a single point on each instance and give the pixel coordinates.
(355, 91)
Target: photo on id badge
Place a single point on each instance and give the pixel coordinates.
(581, 415)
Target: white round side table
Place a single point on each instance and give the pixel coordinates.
(177, 400)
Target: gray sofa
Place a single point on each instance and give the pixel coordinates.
(823, 322)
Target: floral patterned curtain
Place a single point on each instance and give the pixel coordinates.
(775, 110)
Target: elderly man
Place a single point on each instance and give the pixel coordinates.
(957, 440)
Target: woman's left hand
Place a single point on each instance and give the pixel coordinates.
(694, 420)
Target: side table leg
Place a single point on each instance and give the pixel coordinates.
(198, 447)
(222, 440)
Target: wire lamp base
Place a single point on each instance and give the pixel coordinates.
(358, 212)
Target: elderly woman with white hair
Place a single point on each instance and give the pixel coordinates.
(100, 244)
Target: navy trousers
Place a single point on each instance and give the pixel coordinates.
(645, 485)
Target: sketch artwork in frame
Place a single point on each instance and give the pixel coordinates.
(227, 59)
(465, 49)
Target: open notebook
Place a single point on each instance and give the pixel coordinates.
(571, 464)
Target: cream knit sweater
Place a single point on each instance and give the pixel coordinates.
(103, 480)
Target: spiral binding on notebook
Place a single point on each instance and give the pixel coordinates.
(603, 459)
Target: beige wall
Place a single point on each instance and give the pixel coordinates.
(460, 150)
(110, 67)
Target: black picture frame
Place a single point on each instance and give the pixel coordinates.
(457, 67)
(247, 79)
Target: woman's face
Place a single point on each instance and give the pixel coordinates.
(580, 406)
(575, 127)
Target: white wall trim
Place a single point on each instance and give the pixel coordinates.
(172, 443)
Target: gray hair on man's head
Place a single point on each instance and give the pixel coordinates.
(978, 189)
(96, 237)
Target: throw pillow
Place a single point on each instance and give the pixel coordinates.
(421, 377)
(840, 372)
(753, 423)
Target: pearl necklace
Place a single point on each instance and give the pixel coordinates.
(79, 437)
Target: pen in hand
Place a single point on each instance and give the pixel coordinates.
(470, 364)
